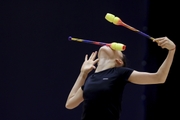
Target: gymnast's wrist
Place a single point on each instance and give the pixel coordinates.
(172, 49)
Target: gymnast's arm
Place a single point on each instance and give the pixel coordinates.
(75, 96)
(161, 75)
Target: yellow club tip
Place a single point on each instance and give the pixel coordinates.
(109, 17)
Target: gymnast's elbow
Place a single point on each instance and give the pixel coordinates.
(161, 79)
(70, 106)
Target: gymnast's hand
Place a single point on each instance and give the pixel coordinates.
(89, 64)
(165, 42)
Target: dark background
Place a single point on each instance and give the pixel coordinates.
(38, 65)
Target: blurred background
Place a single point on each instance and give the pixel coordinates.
(38, 65)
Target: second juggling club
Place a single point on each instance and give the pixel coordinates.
(113, 45)
(117, 21)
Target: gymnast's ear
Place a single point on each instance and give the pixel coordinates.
(119, 62)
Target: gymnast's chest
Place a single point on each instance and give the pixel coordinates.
(100, 86)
